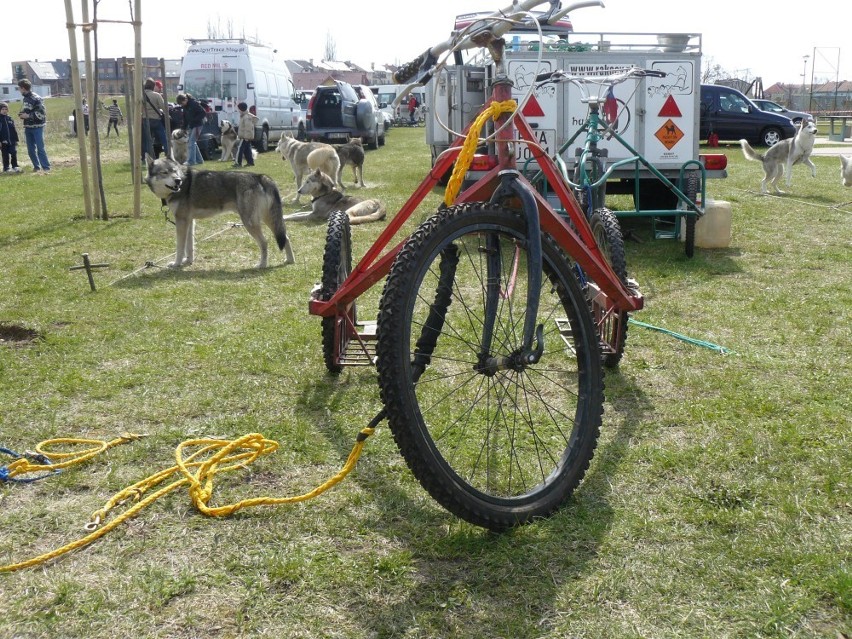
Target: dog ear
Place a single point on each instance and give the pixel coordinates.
(148, 161)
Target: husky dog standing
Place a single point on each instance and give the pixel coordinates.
(782, 156)
(846, 169)
(192, 195)
(308, 156)
(228, 140)
(351, 153)
(325, 198)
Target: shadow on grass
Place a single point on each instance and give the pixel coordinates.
(471, 582)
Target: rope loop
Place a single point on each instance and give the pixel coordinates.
(465, 157)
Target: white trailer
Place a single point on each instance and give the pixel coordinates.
(658, 117)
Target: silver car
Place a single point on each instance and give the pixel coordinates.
(774, 107)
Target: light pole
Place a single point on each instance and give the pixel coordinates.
(804, 75)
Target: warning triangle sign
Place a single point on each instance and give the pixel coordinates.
(670, 109)
(532, 109)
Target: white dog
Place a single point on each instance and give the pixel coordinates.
(228, 141)
(846, 169)
(305, 157)
(784, 155)
(180, 149)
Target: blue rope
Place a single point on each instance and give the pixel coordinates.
(690, 340)
(37, 457)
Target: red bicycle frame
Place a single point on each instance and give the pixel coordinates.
(580, 245)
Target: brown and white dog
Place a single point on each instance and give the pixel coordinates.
(325, 198)
(351, 154)
(781, 157)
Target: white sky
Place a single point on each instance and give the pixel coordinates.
(747, 38)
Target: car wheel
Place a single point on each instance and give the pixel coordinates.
(263, 144)
(772, 136)
(373, 142)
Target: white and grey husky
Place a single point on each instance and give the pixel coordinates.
(305, 157)
(846, 169)
(193, 195)
(228, 141)
(325, 198)
(784, 155)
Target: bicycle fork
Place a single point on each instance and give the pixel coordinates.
(511, 187)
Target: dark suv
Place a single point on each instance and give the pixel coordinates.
(336, 113)
(732, 116)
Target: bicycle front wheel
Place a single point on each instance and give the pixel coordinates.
(497, 445)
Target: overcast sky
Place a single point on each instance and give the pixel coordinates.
(747, 38)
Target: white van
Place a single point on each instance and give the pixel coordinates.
(226, 72)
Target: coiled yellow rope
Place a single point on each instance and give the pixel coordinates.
(212, 456)
(465, 157)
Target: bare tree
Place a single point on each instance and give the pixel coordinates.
(330, 47)
(713, 71)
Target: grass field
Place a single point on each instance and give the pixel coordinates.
(717, 505)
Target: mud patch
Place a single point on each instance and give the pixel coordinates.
(17, 335)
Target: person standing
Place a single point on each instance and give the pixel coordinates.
(115, 115)
(153, 129)
(245, 132)
(86, 115)
(34, 116)
(193, 119)
(8, 140)
(412, 108)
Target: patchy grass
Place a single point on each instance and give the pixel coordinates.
(717, 504)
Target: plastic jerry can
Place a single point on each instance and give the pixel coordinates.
(713, 229)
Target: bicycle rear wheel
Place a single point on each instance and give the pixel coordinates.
(612, 323)
(496, 445)
(691, 190)
(336, 266)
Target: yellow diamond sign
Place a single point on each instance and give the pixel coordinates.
(669, 134)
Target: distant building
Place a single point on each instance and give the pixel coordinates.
(9, 91)
(308, 75)
(113, 75)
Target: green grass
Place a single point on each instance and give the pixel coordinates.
(717, 505)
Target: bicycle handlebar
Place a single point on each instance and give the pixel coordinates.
(481, 32)
(560, 76)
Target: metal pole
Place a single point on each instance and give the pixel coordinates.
(138, 93)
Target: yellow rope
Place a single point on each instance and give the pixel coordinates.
(196, 469)
(465, 157)
(23, 465)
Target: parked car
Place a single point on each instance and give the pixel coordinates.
(365, 93)
(732, 116)
(336, 113)
(774, 107)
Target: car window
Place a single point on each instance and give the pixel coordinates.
(348, 92)
(733, 103)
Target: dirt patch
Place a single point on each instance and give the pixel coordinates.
(17, 335)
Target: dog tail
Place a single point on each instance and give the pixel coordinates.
(749, 152)
(276, 221)
(366, 211)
